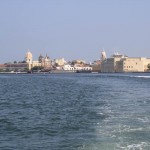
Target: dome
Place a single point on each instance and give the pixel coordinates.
(28, 55)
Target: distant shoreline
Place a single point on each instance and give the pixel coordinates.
(62, 72)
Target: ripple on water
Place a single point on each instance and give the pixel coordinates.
(74, 112)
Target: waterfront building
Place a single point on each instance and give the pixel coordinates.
(96, 66)
(82, 67)
(59, 62)
(28, 59)
(44, 62)
(134, 65)
(68, 67)
(77, 67)
(78, 62)
(13, 67)
(122, 63)
(36, 63)
(111, 64)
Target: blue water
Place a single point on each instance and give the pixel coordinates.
(75, 111)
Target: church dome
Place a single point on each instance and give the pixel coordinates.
(28, 55)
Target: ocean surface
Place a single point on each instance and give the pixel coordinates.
(75, 111)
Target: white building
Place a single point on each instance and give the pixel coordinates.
(68, 68)
(60, 62)
(77, 68)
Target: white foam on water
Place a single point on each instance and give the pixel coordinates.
(138, 146)
(143, 76)
(98, 146)
(115, 146)
(132, 76)
(145, 119)
(140, 76)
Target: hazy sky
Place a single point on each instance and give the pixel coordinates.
(74, 29)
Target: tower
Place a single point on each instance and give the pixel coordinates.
(28, 59)
(41, 58)
(103, 55)
(47, 62)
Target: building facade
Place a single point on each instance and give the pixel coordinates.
(134, 64)
(96, 66)
(14, 67)
(76, 67)
(43, 62)
(110, 64)
(122, 63)
(60, 62)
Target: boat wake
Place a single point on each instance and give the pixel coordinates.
(142, 76)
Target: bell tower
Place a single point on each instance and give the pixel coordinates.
(103, 55)
(28, 59)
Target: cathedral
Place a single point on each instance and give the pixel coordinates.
(43, 62)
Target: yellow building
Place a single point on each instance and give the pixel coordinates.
(125, 64)
(78, 61)
(60, 62)
(36, 63)
(122, 63)
(135, 64)
(44, 62)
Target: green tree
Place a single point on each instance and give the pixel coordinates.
(56, 65)
(22, 61)
(36, 68)
(1, 70)
(148, 66)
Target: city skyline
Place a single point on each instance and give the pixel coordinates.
(74, 29)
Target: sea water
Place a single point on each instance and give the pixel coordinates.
(75, 111)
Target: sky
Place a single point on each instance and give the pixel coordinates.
(74, 29)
